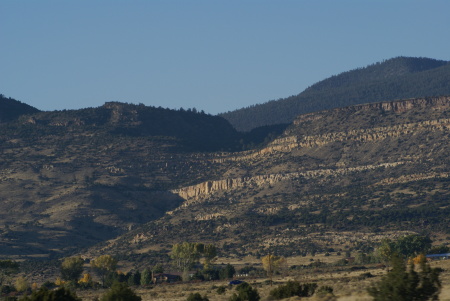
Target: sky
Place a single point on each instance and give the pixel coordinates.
(211, 55)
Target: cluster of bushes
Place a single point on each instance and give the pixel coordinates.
(215, 273)
(293, 288)
(245, 292)
(118, 291)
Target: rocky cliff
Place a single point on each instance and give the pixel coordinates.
(412, 119)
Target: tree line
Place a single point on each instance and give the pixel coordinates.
(404, 254)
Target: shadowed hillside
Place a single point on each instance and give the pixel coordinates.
(70, 179)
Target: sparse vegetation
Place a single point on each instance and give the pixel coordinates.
(7, 269)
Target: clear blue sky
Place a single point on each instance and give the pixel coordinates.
(212, 55)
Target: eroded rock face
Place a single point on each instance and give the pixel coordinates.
(400, 106)
(205, 189)
(415, 120)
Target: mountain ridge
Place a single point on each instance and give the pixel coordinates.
(397, 78)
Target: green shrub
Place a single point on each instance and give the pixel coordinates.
(245, 292)
(293, 288)
(120, 291)
(43, 294)
(365, 276)
(49, 284)
(324, 290)
(221, 290)
(196, 297)
(6, 289)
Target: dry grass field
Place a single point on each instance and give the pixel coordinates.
(348, 286)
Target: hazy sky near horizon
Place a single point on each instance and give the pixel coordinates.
(215, 56)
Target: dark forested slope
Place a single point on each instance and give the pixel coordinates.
(10, 109)
(397, 78)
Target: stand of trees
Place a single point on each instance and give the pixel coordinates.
(405, 284)
(186, 254)
(406, 247)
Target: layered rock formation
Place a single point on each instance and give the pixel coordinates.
(409, 119)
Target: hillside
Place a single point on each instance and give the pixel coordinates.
(11, 109)
(397, 78)
(342, 179)
(70, 179)
(129, 179)
(130, 174)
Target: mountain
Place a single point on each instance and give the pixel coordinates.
(397, 78)
(71, 179)
(11, 109)
(131, 180)
(342, 179)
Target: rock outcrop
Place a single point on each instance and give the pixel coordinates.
(195, 192)
(365, 133)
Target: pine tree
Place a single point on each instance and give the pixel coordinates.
(402, 284)
(146, 277)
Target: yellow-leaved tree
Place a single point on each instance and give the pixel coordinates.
(72, 268)
(21, 284)
(86, 280)
(418, 259)
(103, 265)
(59, 282)
(186, 254)
(273, 264)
